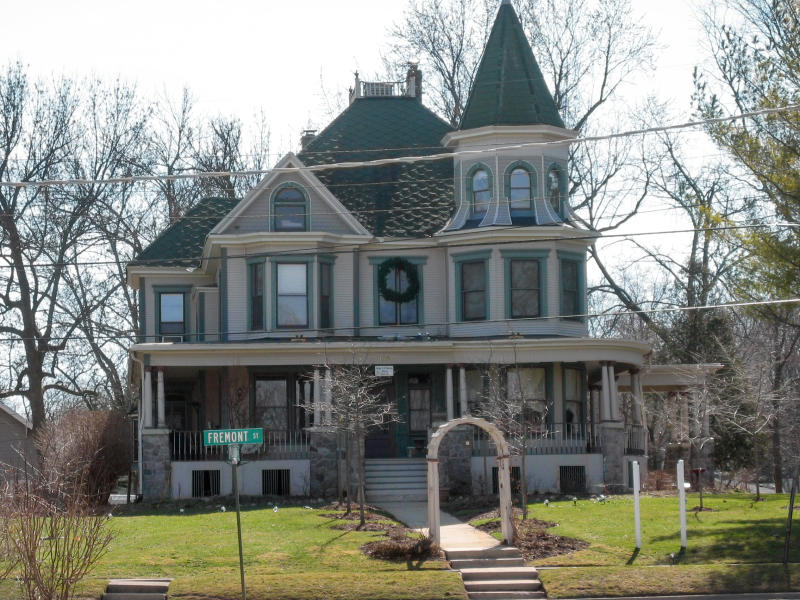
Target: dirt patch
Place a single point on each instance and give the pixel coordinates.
(495, 514)
(534, 542)
(704, 509)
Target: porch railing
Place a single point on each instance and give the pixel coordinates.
(634, 439)
(277, 445)
(554, 438)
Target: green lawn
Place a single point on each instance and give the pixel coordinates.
(738, 531)
(291, 554)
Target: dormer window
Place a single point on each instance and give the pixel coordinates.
(290, 209)
(555, 185)
(480, 186)
(520, 185)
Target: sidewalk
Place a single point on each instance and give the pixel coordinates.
(455, 534)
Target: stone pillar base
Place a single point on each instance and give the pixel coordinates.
(156, 465)
(614, 464)
(324, 462)
(455, 461)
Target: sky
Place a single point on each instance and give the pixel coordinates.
(240, 57)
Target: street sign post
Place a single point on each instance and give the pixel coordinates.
(234, 439)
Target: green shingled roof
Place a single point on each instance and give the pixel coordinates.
(401, 200)
(181, 244)
(509, 88)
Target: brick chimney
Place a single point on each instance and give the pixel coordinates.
(307, 136)
(414, 82)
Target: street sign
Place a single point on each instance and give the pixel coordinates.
(225, 437)
(384, 371)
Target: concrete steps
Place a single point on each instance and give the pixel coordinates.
(136, 589)
(497, 573)
(396, 479)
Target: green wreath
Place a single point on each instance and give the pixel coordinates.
(387, 267)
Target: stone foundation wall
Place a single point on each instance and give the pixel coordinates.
(455, 461)
(156, 466)
(615, 465)
(324, 466)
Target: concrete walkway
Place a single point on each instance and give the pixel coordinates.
(456, 535)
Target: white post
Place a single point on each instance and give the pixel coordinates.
(147, 398)
(682, 499)
(637, 517)
(433, 500)
(162, 418)
(448, 392)
(328, 381)
(613, 394)
(317, 399)
(605, 392)
(462, 391)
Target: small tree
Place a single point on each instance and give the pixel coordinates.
(358, 404)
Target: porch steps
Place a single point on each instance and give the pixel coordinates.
(136, 589)
(496, 573)
(403, 479)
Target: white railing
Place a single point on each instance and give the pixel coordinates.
(188, 446)
(553, 438)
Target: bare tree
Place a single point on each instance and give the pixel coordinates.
(358, 404)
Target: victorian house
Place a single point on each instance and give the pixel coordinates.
(395, 240)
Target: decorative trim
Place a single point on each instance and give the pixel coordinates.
(306, 205)
(537, 255)
(223, 295)
(142, 310)
(201, 316)
(356, 291)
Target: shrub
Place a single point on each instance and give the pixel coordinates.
(407, 548)
(84, 452)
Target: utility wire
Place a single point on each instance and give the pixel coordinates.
(402, 159)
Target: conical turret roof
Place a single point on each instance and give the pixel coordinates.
(509, 88)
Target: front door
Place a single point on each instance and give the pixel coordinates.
(380, 440)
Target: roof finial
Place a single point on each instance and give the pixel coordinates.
(505, 2)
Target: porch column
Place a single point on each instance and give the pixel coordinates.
(317, 399)
(594, 396)
(147, 398)
(162, 415)
(307, 398)
(462, 391)
(613, 393)
(605, 394)
(636, 395)
(448, 392)
(327, 394)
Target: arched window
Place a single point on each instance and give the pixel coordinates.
(289, 209)
(520, 186)
(481, 194)
(554, 188)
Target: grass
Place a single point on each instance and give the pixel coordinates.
(734, 548)
(291, 554)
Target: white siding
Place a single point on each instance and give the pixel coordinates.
(237, 297)
(212, 315)
(249, 476)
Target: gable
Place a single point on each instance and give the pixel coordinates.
(255, 212)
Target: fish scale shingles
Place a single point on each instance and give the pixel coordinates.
(398, 200)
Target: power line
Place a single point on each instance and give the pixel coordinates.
(422, 326)
(347, 248)
(402, 159)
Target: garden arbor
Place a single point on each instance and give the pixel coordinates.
(503, 472)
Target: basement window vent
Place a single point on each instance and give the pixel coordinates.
(275, 482)
(572, 480)
(515, 477)
(205, 483)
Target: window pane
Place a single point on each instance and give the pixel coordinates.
(569, 275)
(172, 308)
(419, 402)
(290, 217)
(473, 306)
(480, 181)
(324, 295)
(572, 384)
(408, 312)
(525, 274)
(524, 303)
(292, 311)
(291, 279)
(257, 296)
(474, 386)
(554, 189)
(480, 191)
(526, 383)
(388, 315)
(290, 194)
(271, 410)
(473, 276)
(520, 179)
